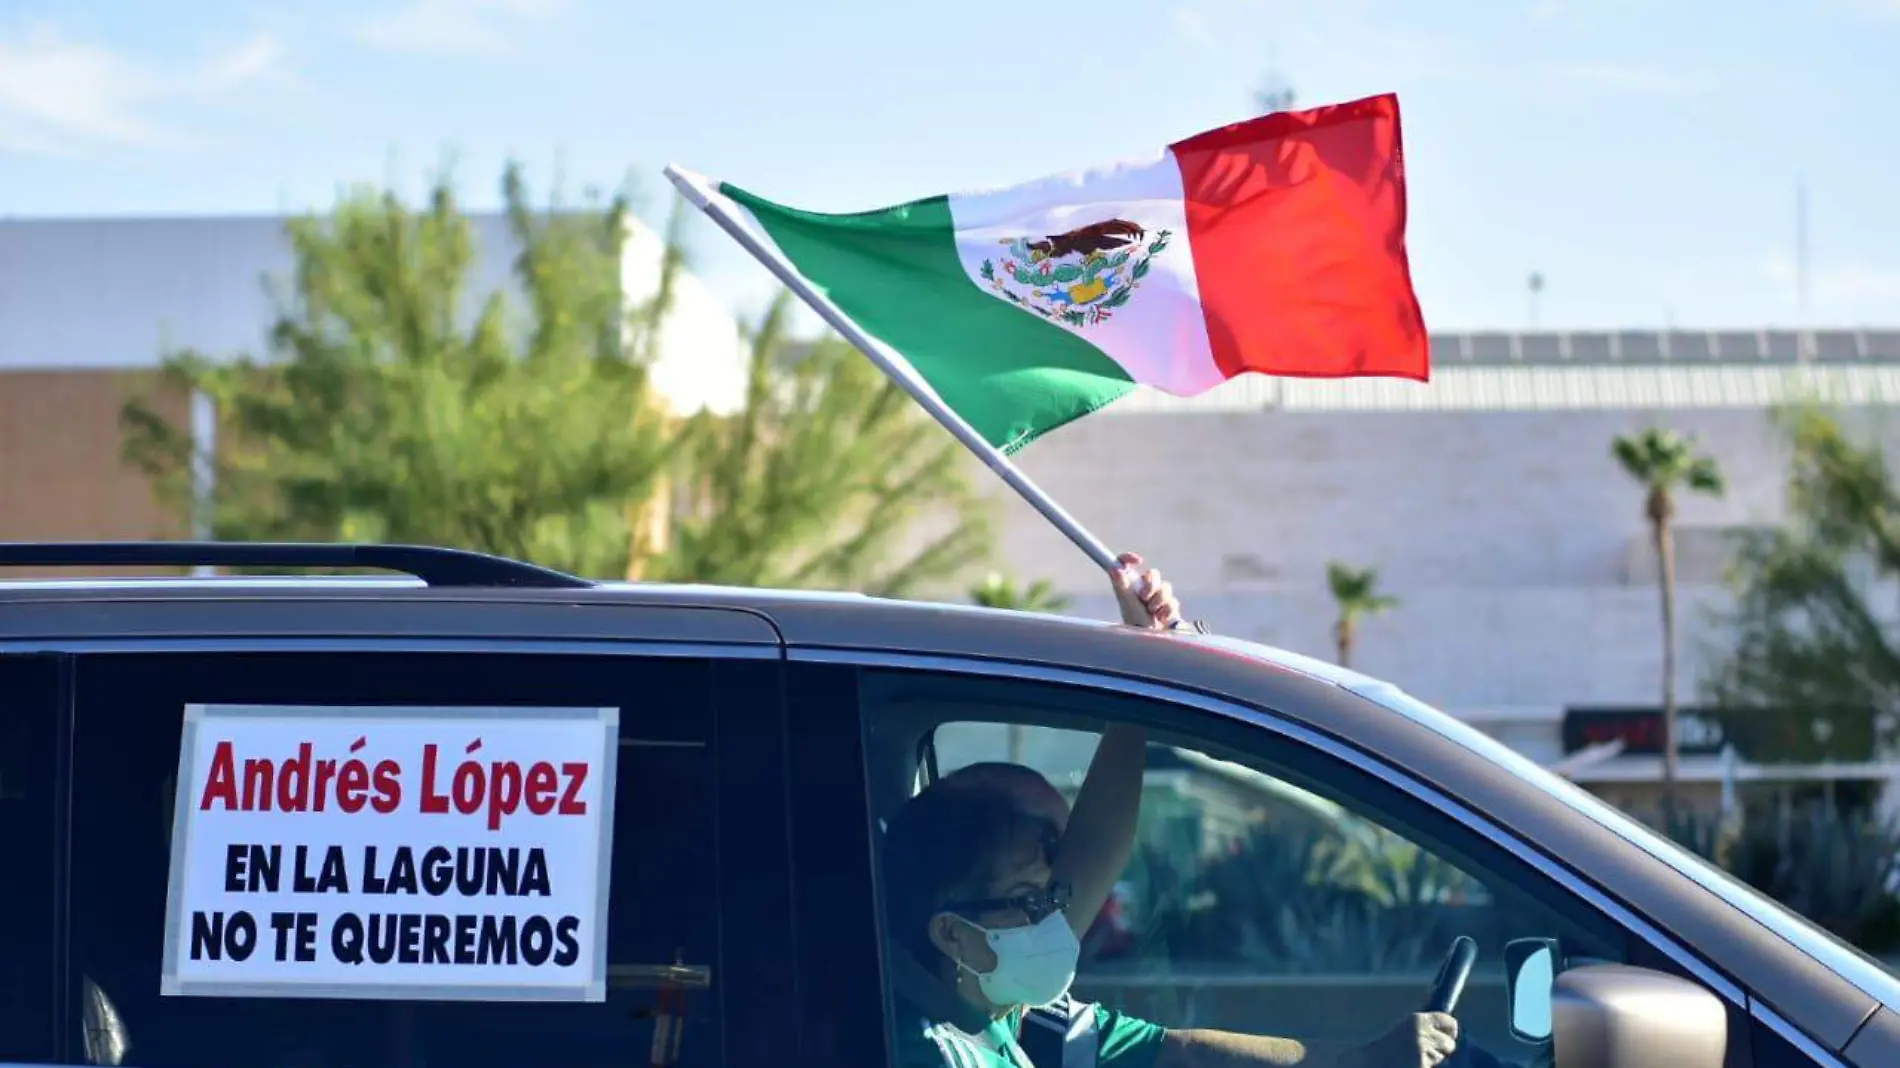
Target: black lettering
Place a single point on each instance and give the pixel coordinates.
(215, 936)
(534, 876)
(372, 882)
(382, 937)
(409, 942)
(438, 871)
(346, 938)
(469, 864)
(300, 880)
(333, 878)
(280, 924)
(497, 942)
(402, 873)
(207, 935)
(435, 939)
(537, 940)
(306, 937)
(234, 855)
(264, 863)
(465, 929)
(240, 936)
(567, 932)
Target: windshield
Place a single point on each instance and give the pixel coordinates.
(1848, 962)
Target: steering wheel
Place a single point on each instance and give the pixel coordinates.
(1452, 976)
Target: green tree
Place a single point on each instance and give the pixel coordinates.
(999, 591)
(1813, 671)
(397, 403)
(1665, 463)
(829, 476)
(1356, 597)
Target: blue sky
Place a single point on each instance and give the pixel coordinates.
(1643, 156)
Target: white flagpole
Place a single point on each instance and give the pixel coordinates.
(695, 189)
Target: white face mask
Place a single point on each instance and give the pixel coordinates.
(1034, 964)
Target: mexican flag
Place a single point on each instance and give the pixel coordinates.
(1274, 246)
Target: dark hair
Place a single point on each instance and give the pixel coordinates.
(939, 847)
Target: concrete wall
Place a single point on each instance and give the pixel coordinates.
(1517, 548)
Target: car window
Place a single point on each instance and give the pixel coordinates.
(28, 714)
(468, 900)
(1850, 961)
(1273, 890)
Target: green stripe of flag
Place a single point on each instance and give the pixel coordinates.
(1012, 375)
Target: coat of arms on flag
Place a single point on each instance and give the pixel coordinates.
(1078, 277)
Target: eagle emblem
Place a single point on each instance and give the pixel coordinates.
(1079, 277)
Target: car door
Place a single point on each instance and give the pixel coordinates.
(356, 964)
(1283, 884)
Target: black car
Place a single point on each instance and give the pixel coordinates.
(482, 813)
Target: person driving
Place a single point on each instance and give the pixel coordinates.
(991, 880)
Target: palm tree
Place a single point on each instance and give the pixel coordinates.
(1356, 593)
(997, 591)
(1664, 462)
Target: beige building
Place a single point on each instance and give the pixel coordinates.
(1491, 506)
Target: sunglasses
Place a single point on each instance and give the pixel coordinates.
(1038, 905)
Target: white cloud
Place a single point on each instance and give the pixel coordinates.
(453, 27)
(60, 96)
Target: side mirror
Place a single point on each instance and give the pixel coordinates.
(1615, 1016)
(1530, 975)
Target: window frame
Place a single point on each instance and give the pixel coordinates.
(52, 954)
(1650, 946)
(743, 696)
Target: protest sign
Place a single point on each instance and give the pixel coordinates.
(366, 852)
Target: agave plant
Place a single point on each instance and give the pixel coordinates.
(1324, 899)
(1835, 867)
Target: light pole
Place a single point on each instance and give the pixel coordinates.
(1536, 283)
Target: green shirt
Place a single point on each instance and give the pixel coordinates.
(1122, 1042)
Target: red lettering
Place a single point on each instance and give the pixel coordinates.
(221, 783)
(326, 772)
(541, 784)
(388, 781)
(504, 791)
(258, 776)
(433, 803)
(571, 803)
(470, 783)
(293, 781)
(352, 786)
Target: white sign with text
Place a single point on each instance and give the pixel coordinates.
(392, 852)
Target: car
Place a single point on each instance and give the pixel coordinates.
(478, 812)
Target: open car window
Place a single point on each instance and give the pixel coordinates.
(1273, 890)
